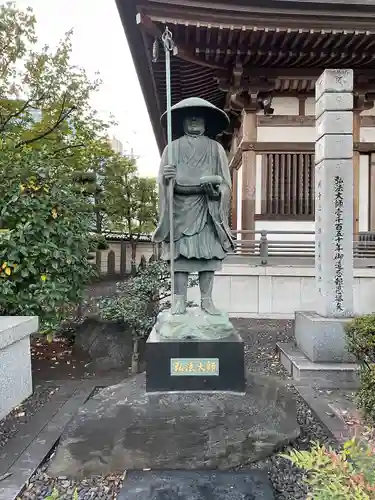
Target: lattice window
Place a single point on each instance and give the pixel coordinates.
(288, 185)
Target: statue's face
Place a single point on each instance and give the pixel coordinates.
(194, 125)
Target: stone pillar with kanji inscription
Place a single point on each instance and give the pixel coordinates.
(334, 193)
(320, 335)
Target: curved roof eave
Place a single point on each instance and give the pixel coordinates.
(128, 12)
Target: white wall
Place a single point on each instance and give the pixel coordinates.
(286, 134)
(364, 198)
(143, 248)
(258, 185)
(294, 226)
(277, 292)
(367, 134)
(239, 200)
(310, 106)
(302, 134)
(290, 106)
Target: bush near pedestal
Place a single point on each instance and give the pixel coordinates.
(138, 301)
(360, 334)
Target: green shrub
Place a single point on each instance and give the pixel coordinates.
(56, 496)
(138, 301)
(140, 298)
(338, 475)
(366, 394)
(360, 335)
(44, 241)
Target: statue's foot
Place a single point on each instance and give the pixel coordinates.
(208, 306)
(179, 306)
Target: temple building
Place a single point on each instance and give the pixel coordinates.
(258, 61)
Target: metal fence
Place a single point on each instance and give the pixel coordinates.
(265, 247)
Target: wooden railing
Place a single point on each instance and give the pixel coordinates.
(274, 248)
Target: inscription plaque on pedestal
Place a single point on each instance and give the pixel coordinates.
(195, 367)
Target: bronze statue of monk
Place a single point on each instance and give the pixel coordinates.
(202, 192)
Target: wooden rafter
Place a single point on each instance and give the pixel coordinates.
(226, 50)
(182, 52)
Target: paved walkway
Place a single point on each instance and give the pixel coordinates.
(21, 456)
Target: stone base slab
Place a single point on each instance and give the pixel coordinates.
(322, 339)
(124, 428)
(199, 485)
(15, 361)
(195, 364)
(323, 375)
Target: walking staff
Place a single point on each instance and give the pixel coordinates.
(169, 47)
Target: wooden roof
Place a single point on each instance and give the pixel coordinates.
(226, 48)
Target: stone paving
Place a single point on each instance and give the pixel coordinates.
(21, 456)
(337, 410)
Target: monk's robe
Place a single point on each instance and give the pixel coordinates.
(202, 235)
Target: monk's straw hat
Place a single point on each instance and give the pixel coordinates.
(216, 120)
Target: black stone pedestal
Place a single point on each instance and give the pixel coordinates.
(195, 365)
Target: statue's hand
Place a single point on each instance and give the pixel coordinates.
(210, 190)
(169, 172)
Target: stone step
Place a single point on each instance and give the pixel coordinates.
(324, 375)
(199, 485)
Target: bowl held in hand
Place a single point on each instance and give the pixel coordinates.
(215, 180)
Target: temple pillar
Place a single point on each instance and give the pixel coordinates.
(372, 192)
(233, 222)
(249, 136)
(356, 170)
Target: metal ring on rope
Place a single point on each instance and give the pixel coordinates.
(167, 39)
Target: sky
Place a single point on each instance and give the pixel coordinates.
(99, 44)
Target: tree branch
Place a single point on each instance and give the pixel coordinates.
(15, 115)
(68, 146)
(62, 117)
(23, 108)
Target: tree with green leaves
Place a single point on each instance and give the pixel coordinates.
(45, 104)
(55, 154)
(44, 99)
(48, 131)
(44, 251)
(130, 201)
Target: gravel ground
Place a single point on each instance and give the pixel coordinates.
(260, 337)
(98, 488)
(14, 421)
(286, 479)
